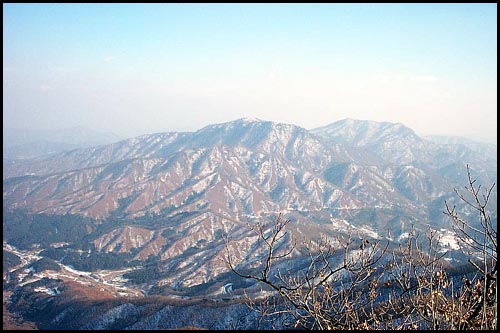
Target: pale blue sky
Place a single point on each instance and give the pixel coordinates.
(142, 68)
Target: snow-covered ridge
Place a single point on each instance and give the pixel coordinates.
(268, 159)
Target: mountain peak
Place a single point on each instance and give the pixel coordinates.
(362, 132)
(365, 122)
(249, 120)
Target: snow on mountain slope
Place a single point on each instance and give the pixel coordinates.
(397, 144)
(364, 132)
(184, 191)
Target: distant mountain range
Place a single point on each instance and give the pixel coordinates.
(162, 202)
(25, 144)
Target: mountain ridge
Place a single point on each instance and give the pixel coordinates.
(248, 144)
(172, 196)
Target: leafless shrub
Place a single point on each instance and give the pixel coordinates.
(356, 283)
(478, 297)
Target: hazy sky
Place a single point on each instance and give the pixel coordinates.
(141, 68)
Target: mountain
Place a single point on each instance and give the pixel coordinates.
(154, 172)
(397, 144)
(247, 167)
(365, 132)
(148, 215)
(394, 143)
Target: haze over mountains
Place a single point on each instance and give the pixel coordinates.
(160, 203)
(24, 143)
